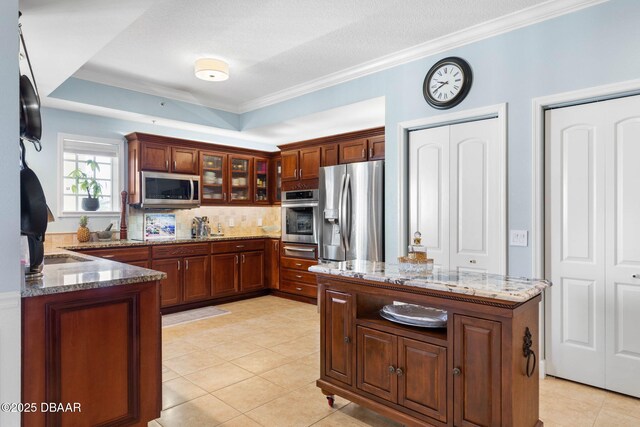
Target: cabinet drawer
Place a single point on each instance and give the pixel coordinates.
(299, 276)
(299, 289)
(237, 246)
(121, 254)
(170, 251)
(297, 264)
(300, 251)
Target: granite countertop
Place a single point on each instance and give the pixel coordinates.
(125, 243)
(517, 289)
(85, 272)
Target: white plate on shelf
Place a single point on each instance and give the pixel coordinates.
(415, 315)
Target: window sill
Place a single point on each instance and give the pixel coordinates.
(88, 213)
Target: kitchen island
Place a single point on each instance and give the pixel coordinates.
(91, 343)
(479, 370)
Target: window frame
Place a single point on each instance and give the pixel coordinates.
(115, 199)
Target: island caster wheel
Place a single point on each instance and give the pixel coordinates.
(330, 401)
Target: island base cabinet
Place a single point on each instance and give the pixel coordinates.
(471, 373)
(99, 349)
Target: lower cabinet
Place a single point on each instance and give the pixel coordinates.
(251, 271)
(241, 269)
(224, 274)
(338, 337)
(98, 347)
(171, 287)
(196, 282)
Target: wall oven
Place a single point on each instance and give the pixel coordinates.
(170, 190)
(300, 216)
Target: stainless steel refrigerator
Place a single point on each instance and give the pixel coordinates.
(351, 203)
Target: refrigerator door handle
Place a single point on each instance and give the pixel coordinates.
(346, 205)
(340, 210)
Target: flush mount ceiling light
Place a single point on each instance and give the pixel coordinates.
(213, 70)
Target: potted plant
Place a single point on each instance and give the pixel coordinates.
(88, 184)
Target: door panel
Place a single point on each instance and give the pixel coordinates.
(475, 197)
(338, 337)
(353, 151)
(429, 191)
(377, 360)
(330, 155)
(575, 251)
(224, 274)
(310, 163)
(155, 157)
(376, 148)
(623, 248)
(251, 271)
(290, 165)
(171, 287)
(477, 388)
(423, 384)
(197, 280)
(184, 160)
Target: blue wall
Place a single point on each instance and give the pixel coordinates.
(590, 47)
(9, 135)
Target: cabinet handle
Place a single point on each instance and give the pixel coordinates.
(178, 265)
(295, 173)
(236, 259)
(166, 164)
(239, 246)
(300, 173)
(399, 372)
(370, 152)
(456, 371)
(392, 370)
(186, 264)
(364, 156)
(299, 289)
(243, 258)
(108, 256)
(347, 340)
(174, 165)
(298, 276)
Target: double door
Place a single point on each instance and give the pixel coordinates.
(362, 150)
(593, 243)
(233, 178)
(457, 195)
(238, 272)
(187, 279)
(300, 164)
(164, 158)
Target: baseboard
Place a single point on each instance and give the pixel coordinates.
(542, 369)
(10, 355)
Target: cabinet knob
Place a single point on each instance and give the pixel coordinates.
(399, 372)
(456, 371)
(347, 340)
(392, 370)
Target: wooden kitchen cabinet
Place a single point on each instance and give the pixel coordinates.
(171, 287)
(98, 347)
(276, 181)
(362, 150)
(329, 155)
(225, 274)
(295, 278)
(301, 164)
(471, 373)
(240, 179)
(214, 177)
(272, 263)
(155, 157)
(184, 160)
(260, 181)
(251, 271)
(196, 282)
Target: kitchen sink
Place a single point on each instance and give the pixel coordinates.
(63, 259)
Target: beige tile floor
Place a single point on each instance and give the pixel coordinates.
(257, 366)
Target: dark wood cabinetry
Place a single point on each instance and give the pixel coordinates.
(276, 180)
(196, 278)
(362, 150)
(171, 286)
(214, 177)
(329, 155)
(237, 267)
(154, 157)
(295, 278)
(471, 373)
(272, 263)
(98, 347)
(375, 146)
(309, 163)
(290, 161)
(184, 160)
(261, 180)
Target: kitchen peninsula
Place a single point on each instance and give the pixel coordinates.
(91, 341)
(479, 370)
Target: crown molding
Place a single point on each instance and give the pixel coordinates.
(492, 28)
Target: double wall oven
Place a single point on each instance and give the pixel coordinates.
(299, 216)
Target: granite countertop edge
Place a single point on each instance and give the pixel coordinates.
(130, 243)
(62, 278)
(478, 284)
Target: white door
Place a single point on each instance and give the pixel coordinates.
(456, 199)
(593, 243)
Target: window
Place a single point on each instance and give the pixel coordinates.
(75, 151)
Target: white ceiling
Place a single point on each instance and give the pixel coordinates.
(271, 45)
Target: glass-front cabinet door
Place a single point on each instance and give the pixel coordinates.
(213, 169)
(240, 179)
(277, 197)
(261, 180)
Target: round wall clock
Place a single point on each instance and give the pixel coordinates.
(447, 83)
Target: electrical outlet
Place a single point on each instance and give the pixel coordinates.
(259, 222)
(518, 238)
(231, 222)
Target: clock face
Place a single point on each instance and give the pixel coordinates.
(447, 83)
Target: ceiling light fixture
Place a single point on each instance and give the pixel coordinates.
(214, 70)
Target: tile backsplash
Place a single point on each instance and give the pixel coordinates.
(245, 221)
(234, 220)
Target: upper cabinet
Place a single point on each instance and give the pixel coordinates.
(329, 155)
(362, 149)
(301, 164)
(239, 178)
(213, 177)
(276, 180)
(290, 162)
(184, 160)
(164, 158)
(260, 181)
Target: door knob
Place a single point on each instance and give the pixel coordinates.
(347, 340)
(399, 372)
(392, 369)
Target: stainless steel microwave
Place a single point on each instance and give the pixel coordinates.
(169, 190)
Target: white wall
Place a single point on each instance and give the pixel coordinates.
(9, 212)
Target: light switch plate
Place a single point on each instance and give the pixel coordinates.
(518, 238)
